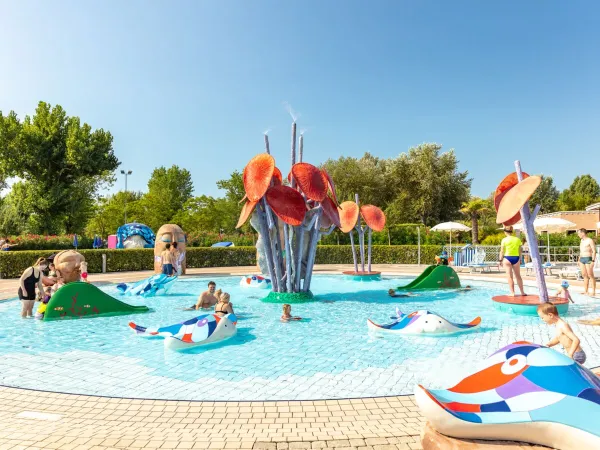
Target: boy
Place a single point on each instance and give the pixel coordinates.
(564, 334)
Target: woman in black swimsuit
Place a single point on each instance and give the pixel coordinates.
(224, 306)
(32, 277)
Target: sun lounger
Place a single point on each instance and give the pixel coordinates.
(570, 271)
(546, 267)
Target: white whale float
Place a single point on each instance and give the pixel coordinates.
(201, 330)
(422, 322)
(255, 281)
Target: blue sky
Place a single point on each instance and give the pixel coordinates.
(195, 83)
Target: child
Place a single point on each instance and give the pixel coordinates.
(84, 272)
(287, 314)
(442, 260)
(224, 306)
(392, 293)
(39, 314)
(563, 291)
(564, 334)
(52, 273)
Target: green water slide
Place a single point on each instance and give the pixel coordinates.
(76, 300)
(434, 277)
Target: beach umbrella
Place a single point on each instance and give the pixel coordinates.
(549, 225)
(450, 227)
(75, 242)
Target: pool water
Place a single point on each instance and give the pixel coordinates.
(328, 355)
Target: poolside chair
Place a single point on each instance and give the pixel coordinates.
(547, 267)
(478, 262)
(570, 271)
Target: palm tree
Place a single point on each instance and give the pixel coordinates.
(473, 209)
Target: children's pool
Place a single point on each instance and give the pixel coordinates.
(329, 355)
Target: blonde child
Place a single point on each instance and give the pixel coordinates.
(287, 314)
(564, 334)
(563, 291)
(224, 306)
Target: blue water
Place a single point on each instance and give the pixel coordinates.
(329, 348)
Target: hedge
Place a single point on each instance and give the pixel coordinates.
(12, 264)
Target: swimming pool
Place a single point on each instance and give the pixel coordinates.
(329, 355)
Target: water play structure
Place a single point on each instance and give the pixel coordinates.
(79, 299)
(255, 281)
(423, 322)
(350, 220)
(201, 330)
(154, 285)
(290, 220)
(525, 392)
(167, 234)
(135, 235)
(434, 277)
(511, 200)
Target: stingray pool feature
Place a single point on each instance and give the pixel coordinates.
(329, 354)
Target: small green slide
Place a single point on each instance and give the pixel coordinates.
(434, 277)
(76, 300)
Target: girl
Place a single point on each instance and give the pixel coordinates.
(32, 277)
(224, 306)
(563, 291)
(287, 314)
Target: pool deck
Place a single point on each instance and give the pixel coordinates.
(36, 419)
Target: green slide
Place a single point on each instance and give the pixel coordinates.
(76, 300)
(434, 277)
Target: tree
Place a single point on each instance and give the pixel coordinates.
(56, 156)
(109, 212)
(583, 192)
(427, 185)
(168, 190)
(546, 195)
(473, 209)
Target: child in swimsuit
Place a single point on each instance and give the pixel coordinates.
(287, 314)
(39, 314)
(563, 291)
(564, 334)
(224, 306)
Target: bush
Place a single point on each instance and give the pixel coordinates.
(37, 242)
(12, 264)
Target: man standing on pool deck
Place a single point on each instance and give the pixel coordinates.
(167, 260)
(587, 256)
(510, 258)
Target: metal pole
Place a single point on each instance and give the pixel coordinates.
(125, 199)
(419, 247)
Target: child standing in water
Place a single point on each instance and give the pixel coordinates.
(563, 291)
(287, 314)
(564, 334)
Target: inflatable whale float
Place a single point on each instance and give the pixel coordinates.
(149, 287)
(255, 281)
(201, 330)
(422, 322)
(524, 392)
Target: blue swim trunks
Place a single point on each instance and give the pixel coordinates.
(512, 259)
(168, 269)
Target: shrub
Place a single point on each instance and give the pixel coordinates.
(37, 242)
(12, 264)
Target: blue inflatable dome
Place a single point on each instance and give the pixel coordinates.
(135, 235)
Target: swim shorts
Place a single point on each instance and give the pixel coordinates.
(512, 259)
(168, 269)
(585, 259)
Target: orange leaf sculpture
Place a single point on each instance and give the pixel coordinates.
(516, 197)
(331, 186)
(510, 181)
(287, 203)
(348, 216)
(331, 212)
(257, 176)
(277, 177)
(374, 217)
(246, 212)
(310, 180)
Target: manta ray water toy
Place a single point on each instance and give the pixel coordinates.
(201, 330)
(255, 281)
(423, 322)
(524, 392)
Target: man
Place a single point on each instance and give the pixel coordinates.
(176, 254)
(166, 258)
(208, 298)
(587, 256)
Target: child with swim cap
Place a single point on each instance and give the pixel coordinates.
(563, 291)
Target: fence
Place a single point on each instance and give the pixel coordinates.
(464, 255)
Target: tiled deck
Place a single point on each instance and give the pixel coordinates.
(33, 419)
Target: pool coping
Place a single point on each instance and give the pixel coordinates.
(102, 422)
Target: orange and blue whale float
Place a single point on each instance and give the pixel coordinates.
(524, 392)
(423, 322)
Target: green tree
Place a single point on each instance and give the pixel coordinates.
(546, 195)
(168, 190)
(473, 209)
(109, 212)
(56, 156)
(583, 192)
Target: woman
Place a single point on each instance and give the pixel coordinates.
(510, 258)
(32, 277)
(224, 307)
